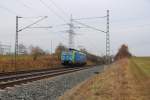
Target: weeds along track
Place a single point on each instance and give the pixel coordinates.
(19, 78)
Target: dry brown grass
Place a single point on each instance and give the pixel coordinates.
(118, 82)
(28, 63)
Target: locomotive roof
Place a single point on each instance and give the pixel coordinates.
(76, 50)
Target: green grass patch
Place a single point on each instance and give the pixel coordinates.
(140, 66)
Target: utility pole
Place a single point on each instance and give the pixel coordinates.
(71, 33)
(107, 40)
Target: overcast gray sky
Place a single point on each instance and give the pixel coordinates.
(129, 23)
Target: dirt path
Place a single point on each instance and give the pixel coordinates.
(118, 82)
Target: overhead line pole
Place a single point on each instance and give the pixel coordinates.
(16, 41)
(107, 40)
(108, 58)
(19, 30)
(29, 26)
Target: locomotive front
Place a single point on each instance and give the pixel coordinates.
(73, 57)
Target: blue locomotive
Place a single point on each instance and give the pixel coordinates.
(73, 57)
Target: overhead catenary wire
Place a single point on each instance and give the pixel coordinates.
(91, 43)
(90, 18)
(46, 27)
(31, 17)
(61, 37)
(32, 24)
(49, 8)
(89, 26)
(59, 25)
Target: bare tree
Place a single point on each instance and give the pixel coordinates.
(22, 49)
(36, 52)
(123, 52)
(59, 49)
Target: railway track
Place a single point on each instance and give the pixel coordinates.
(19, 78)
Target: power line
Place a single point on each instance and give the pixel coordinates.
(13, 12)
(26, 6)
(8, 10)
(48, 7)
(59, 8)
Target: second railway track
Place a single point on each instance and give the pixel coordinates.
(16, 79)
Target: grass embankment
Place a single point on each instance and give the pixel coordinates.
(127, 79)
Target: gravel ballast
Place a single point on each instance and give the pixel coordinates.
(48, 89)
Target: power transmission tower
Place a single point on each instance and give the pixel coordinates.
(71, 33)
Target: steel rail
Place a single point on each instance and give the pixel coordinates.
(31, 78)
(24, 75)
